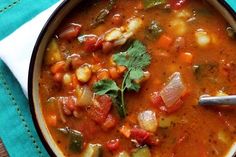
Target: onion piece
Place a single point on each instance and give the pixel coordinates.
(173, 90)
(84, 95)
(148, 121)
(60, 109)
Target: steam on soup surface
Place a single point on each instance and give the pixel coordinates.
(122, 78)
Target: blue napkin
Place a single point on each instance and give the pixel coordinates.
(16, 127)
(13, 13)
(232, 3)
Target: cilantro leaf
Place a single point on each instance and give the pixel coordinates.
(108, 87)
(136, 59)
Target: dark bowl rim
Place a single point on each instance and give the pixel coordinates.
(31, 73)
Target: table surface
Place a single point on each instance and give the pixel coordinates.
(3, 152)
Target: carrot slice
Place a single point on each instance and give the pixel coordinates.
(186, 57)
(164, 42)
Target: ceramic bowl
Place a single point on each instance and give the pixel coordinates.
(37, 56)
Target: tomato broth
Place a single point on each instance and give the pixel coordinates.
(123, 78)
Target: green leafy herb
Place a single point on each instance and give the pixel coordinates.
(152, 3)
(154, 30)
(75, 137)
(103, 14)
(136, 59)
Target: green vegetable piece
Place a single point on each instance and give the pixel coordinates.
(75, 139)
(92, 150)
(154, 30)
(53, 53)
(142, 152)
(231, 33)
(136, 59)
(165, 122)
(103, 14)
(207, 70)
(152, 3)
(122, 154)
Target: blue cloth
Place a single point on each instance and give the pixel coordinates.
(232, 3)
(13, 13)
(17, 130)
(16, 127)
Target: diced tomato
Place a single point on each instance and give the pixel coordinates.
(58, 67)
(177, 4)
(89, 43)
(109, 123)
(99, 111)
(140, 135)
(156, 100)
(70, 32)
(158, 103)
(152, 140)
(113, 145)
(98, 44)
(175, 106)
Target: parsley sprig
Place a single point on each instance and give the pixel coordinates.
(136, 59)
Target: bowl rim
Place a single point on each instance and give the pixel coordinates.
(31, 73)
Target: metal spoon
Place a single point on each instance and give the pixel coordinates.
(217, 100)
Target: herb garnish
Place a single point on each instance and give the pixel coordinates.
(136, 59)
(103, 13)
(154, 30)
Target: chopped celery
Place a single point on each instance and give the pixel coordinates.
(122, 154)
(53, 53)
(165, 122)
(76, 139)
(92, 150)
(142, 152)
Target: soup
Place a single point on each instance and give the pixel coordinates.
(123, 78)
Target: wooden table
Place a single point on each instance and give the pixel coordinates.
(3, 152)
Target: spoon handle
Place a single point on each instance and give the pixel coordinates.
(218, 100)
